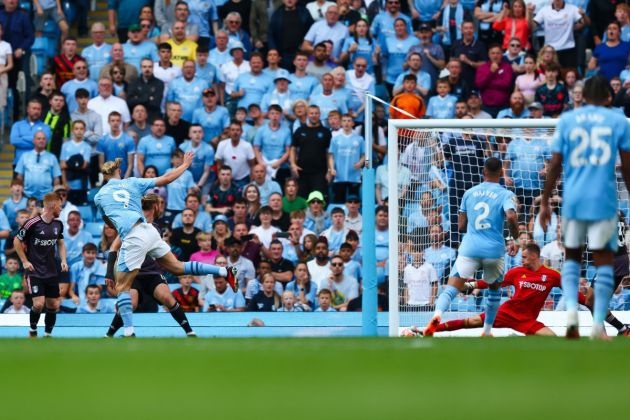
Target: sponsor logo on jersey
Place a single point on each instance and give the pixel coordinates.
(533, 286)
(45, 242)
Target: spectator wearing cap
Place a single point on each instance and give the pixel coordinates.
(164, 69)
(395, 49)
(536, 110)
(80, 81)
(187, 90)
(316, 218)
(182, 49)
(553, 95)
(203, 220)
(308, 153)
(354, 220)
(146, 90)
(220, 232)
(214, 118)
(288, 26)
(117, 144)
(251, 86)
(302, 84)
(383, 25)
(346, 158)
(517, 108)
(238, 155)
(494, 81)
(474, 106)
(137, 47)
(231, 70)
(559, 21)
(471, 52)
(38, 169)
(328, 29)
(156, 149)
(271, 145)
(105, 103)
(432, 54)
(423, 79)
(118, 58)
(23, 131)
(280, 95)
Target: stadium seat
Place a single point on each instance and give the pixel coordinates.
(91, 193)
(94, 228)
(70, 11)
(39, 51)
(87, 214)
(26, 5)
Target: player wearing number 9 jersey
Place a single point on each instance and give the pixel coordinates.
(482, 213)
(585, 147)
(120, 202)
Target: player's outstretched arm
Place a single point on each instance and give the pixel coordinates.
(553, 173)
(171, 176)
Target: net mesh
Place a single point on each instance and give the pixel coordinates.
(434, 167)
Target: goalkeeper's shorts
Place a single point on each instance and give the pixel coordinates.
(505, 320)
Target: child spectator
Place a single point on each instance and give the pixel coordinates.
(75, 160)
(93, 304)
(11, 280)
(206, 254)
(288, 303)
(187, 296)
(408, 100)
(267, 300)
(324, 300)
(351, 267)
(421, 280)
(223, 298)
(84, 273)
(304, 289)
(16, 202)
(265, 231)
(20, 218)
(17, 303)
(442, 105)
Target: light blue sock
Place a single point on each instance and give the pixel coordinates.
(125, 309)
(198, 269)
(570, 282)
(444, 300)
(603, 291)
(493, 300)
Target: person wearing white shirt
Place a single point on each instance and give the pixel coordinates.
(343, 287)
(328, 29)
(318, 8)
(265, 231)
(237, 154)
(421, 281)
(319, 267)
(105, 103)
(164, 69)
(230, 71)
(552, 254)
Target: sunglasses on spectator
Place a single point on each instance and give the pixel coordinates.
(316, 201)
(146, 26)
(353, 201)
(336, 264)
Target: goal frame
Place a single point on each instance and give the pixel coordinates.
(392, 152)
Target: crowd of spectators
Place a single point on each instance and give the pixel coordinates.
(270, 97)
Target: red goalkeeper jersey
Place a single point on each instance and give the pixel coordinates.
(531, 289)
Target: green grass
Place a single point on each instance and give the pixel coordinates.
(313, 378)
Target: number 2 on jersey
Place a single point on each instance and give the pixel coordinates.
(599, 153)
(480, 223)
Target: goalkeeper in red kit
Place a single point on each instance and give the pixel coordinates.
(532, 284)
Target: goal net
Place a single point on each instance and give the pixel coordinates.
(430, 166)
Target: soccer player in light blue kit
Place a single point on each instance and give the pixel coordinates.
(482, 213)
(120, 202)
(589, 137)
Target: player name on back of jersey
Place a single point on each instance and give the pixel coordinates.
(485, 193)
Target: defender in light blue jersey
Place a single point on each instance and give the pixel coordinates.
(589, 137)
(483, 210)
(120, 202)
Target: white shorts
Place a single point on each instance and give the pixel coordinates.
(143, 240)
(466, 267)
(601, 234)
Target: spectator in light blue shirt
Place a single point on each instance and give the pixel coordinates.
(440, 256)
(265, 185)
(442, 105)
(203, 160)
(383, 24)
(187, 90)
(38, 169)
(75, 160)
(206, 70)
(23, 131)
(202, 12)
(327, 100)
(346, 154)
(272, 142)
(423, 79)
(137, 48)
(75, 238)
(395, 49)
(178, 190)
(156, 149)
(360, 45)
(220, 54)
(223, 298)
(328, 29)
(98, 53)
(279, 94)
(212, 117)
(250, 87)
(117, 144)
(80, 71)
(302, 85)
(17, 201)
(517, 108)
(85, 272)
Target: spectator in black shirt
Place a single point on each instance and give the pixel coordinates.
(267, 300)
(146, 90)
(222, 193)
(281, 268)
(287, 27)
(184, 237)
(309, 154)
(470, 51)
(175, 126)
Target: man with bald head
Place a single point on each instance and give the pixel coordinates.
(265, 185)
(98, 54)
(117, 54)
(517, 108)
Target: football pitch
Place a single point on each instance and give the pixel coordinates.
(314, 378)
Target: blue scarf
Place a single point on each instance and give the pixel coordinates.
(459, 18)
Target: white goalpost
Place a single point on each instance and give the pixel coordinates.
(430, 163)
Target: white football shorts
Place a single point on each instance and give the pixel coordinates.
(143, 240)
(601, 234)
(466, 267)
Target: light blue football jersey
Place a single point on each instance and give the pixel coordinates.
(485, 206)
(588, 139)
(120, 202)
